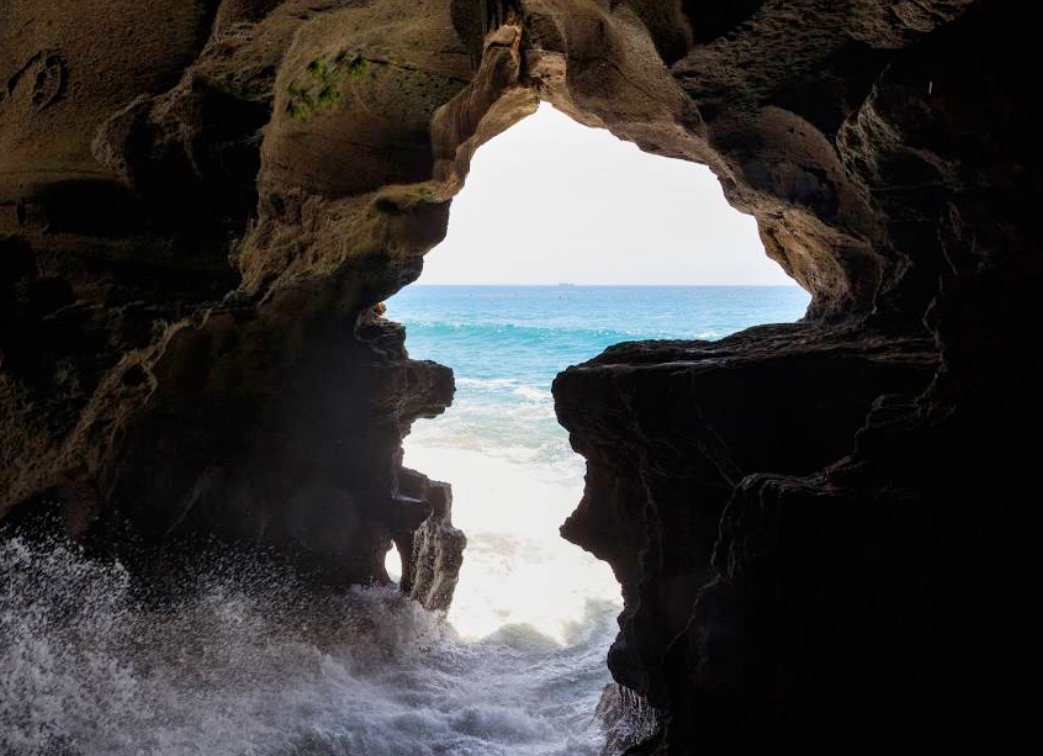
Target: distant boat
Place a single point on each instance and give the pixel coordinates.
(566, 284)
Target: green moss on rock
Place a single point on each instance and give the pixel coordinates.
(320, 87)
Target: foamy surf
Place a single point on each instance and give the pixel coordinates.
(517, 569)
(251, 665)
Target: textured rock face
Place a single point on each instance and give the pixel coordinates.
(670, 430)
(191, 266)
(816, 527)
(843, 573)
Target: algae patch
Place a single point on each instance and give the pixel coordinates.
(320, 88)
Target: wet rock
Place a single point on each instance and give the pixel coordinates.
(431, 549)
(630, 724)
(670, 429)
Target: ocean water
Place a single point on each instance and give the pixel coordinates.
(249, 666)
(514, 476)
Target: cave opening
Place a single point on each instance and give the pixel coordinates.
(564, 241)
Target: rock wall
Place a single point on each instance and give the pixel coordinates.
(816, 560)
(817, 527)
(197, 234)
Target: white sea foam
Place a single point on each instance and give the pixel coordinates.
(534, 394)
(249, 666)
(517, 569)
(488, 383)
(252, 666)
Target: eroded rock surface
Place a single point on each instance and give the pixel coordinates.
(194, 255)
(670, 429)
(796, 585)
(817, 527)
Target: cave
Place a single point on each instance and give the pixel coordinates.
(815, 525)
(617, 245)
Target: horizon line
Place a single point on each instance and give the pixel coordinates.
(628, 285)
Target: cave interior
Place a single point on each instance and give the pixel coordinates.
(203, 205)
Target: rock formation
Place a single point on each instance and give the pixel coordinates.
(817, 526)
(192, 344)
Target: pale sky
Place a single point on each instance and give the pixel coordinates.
(550, 201)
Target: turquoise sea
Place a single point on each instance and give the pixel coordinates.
(248, 667)
(535, 331)
(515, 478)
(506, 344)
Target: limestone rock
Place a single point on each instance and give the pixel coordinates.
(670, 430)
(432, 548)
(820, 529)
